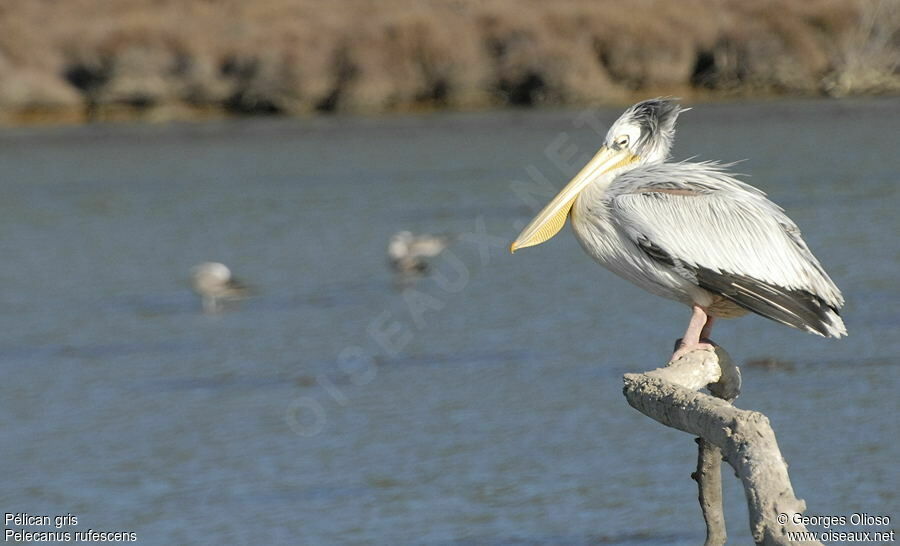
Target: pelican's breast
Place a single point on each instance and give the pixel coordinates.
(605, 241)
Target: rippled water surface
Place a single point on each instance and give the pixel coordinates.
(481, 405)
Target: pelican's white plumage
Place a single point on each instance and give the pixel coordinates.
(689, 231)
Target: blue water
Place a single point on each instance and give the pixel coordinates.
(481, 405)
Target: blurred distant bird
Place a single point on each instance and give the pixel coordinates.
(689, 232)
(407, 253)
(213, 282)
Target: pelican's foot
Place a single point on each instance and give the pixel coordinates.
(685, 349)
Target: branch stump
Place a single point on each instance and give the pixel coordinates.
(742, 438)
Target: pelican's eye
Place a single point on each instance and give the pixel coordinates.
(622, 142)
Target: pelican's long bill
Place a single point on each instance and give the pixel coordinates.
(553, 217)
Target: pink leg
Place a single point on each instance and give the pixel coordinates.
(699, 327)
(707, 328)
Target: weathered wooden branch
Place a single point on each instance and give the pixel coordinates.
(709, 457)
(709, 481)
(745, 439)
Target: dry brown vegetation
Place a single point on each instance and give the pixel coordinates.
(81, 59)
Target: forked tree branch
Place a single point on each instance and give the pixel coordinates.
(746, 440)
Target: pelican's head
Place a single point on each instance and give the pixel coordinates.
(641, 135)
(646, 129)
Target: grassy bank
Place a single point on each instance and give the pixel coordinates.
(96, 59)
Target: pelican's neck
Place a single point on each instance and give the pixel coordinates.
(596, 188)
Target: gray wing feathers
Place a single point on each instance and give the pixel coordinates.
(708, 223)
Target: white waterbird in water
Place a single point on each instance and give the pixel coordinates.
(408, 253)
(689, 232)
(213, 282)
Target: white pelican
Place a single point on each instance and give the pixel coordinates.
(213, 282)
(407, 253)
(689, 232)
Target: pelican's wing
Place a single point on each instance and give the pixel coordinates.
(726, 237)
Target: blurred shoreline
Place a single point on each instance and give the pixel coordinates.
(91, 60)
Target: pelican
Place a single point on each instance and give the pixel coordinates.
(407, 253)
(213, 282)
(689, 232)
